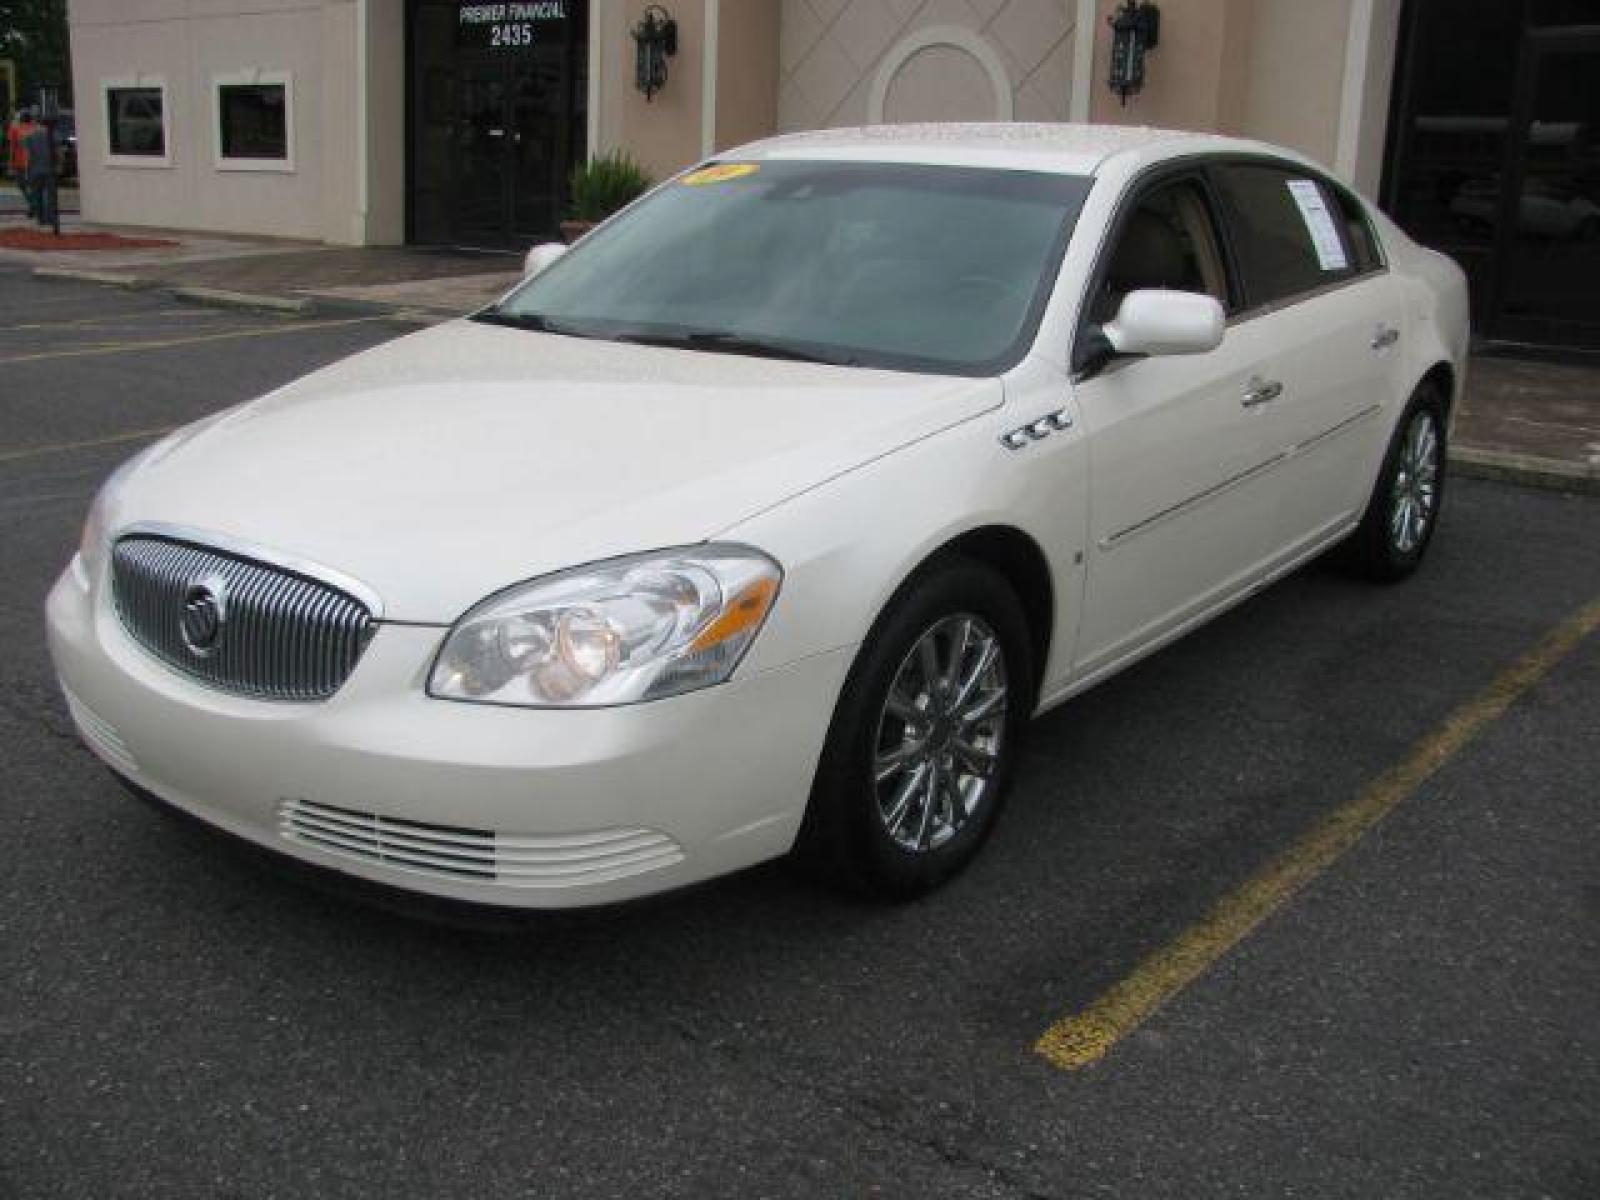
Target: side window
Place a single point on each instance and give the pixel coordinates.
(1358, 234)
(1166, 241)
(1285, 236)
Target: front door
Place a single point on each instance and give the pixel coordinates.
(499, 116)
(1181, 475)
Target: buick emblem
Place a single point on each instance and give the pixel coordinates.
(205, 611)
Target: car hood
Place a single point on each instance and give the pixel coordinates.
(448, 464)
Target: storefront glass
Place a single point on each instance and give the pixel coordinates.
(497, 98)
(1495, 159)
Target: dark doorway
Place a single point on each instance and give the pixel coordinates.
(498, 116)
(1495, 159)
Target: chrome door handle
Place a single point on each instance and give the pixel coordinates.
(1385, 337)
(1261, 391)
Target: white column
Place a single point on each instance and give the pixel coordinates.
(363, 116)
(1083, 31)
(1357, 49)
(599, 18)
(708, 81)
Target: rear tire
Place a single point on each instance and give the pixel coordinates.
(924, 739)
(1407, 497)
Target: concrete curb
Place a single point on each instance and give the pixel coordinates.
(222, 298)
(79, 275)
(299, 306)
(1527, 469)
(219, 297)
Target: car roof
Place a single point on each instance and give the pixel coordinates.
(1067, 148)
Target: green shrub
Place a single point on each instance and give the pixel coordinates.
(606, 183)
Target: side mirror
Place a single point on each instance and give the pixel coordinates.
(1156, 321)
(540, 257)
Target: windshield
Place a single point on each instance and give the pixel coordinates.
(909, 267)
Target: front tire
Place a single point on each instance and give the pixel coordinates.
(1404, 507)
(924, 740)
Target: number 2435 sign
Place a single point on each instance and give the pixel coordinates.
(506, 26)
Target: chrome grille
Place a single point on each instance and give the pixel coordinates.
(449, 851)
(281, 635)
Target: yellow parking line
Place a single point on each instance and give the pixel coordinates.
(166, 343)
(59, 447)
(132, 318)
(1085, 1037)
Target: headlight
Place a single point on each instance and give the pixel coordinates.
(616, 632)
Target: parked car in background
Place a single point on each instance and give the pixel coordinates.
(765, 517)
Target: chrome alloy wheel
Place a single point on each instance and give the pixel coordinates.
(938, 742)
(1415, 494)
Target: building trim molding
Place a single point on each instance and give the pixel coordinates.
(1357, 52)
(1083, 31)
(940, 35)
(708, 79)
(599, 16)
(251, 77)
(135, 79)
(360, 233)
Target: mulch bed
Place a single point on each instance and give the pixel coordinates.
(43, 239)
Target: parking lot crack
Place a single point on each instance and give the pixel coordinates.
(860, 1110)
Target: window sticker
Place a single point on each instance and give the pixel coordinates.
(721, 173)
(1319, 224)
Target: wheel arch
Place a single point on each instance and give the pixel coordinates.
(1019, 559)
(1441, 375)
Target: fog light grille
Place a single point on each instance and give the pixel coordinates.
(453, 852)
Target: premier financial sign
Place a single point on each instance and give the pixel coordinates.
(512, 25)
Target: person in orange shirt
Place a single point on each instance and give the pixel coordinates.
(17, 156)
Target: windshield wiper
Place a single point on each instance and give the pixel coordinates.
(721, 342)
(534, 321)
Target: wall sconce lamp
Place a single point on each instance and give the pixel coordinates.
(655, 39)
(1135, 29)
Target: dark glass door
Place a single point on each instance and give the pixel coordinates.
(1549, 218)
(483, 176)
(1495, 160)
(499, 117)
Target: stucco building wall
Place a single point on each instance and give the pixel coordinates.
(1312, 74)
(187, 44)
(664, 132)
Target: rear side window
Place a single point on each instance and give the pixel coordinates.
(1358, 234)
(1285, 229)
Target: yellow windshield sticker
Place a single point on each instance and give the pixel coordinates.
(720, 173)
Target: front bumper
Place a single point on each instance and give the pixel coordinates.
(535, 808)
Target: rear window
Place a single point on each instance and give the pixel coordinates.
(1285, 232)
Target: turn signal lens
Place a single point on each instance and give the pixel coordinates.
(617, 632)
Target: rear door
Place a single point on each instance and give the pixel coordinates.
(1327, 317)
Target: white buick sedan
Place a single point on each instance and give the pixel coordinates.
(765, 519)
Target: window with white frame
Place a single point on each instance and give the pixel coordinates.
(254, 122)
(136, 122)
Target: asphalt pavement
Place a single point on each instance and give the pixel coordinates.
(179, 1018)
